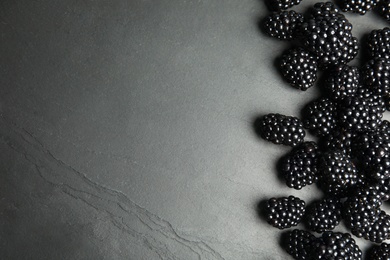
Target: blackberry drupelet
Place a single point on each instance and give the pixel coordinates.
(278, 5)
(360, 113)
(320, 116)
(298, 244)
(379, 252)
(383, 9)
(339, 174)
(336, 245)
(376, 76)
(339, 139)
(379, 230)
(281, 129)
(299, 167)
(342, 81)
(358, 6)
(285, 212)
(378, 43)
(324, 214)
(329, 37)
(361, 211)
(283, 25)
(299, 68)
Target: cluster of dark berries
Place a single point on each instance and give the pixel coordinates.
(350, 160)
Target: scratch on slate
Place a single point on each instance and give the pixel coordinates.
(114, 203)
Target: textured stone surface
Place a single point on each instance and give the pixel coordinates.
(126, 129)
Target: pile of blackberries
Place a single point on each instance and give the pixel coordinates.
(350, 161)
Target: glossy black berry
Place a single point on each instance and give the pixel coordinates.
(278, 5)
(299, 244)
(338, 174)
(285, 212)
(339, 139)
(376, 75)
(320, 116)
(361, 211)
(281, 129)
(299, 167)
(378, 43)
(360, 114)
(299, 68)
(379, 231)
(342, 81)
(283, 25)
(336, 245)
(372, 149)
(329, 37)
(383, 9)
(379, 252)
(325, 10)
(324, 214)
(357, 6)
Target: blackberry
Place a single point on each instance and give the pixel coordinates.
(379, 230)
(339, 174)
(320, 116)
(324, 214)
(283, 25)
(329, 37)
(285, 212)
(358, 6)
(336, 245)
(378, 43)
(325, 9)
(280, 129)
(299, 167)
(298, 244)
(278, 5)
(383, 8)
(372, 149)
(339, 139)
(299, 68)
(379, 187)
(376, 75)
(374, 99)
(361, 211)
(360, 113)
(379, 252)
(341, 82)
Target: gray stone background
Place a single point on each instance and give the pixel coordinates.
(126, 129)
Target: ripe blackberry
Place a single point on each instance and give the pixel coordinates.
(325, 9)
(383, 8)
(283, 25)
(379, 187)
(280, 129)
(378, 43)
(342, 81)
(379, 230)
(299, 68)
(376, 75)
(336, 245)
(372, 150)
(373, 98)
(360, 114)
(285, 212)
(298, 244)
(339, 139)
(358, 6)
(320, 116)
(324, 214)
(278, 5)
(361, 211)
(330, 38)
(379, 252)
(299, 167)
(339, 174)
